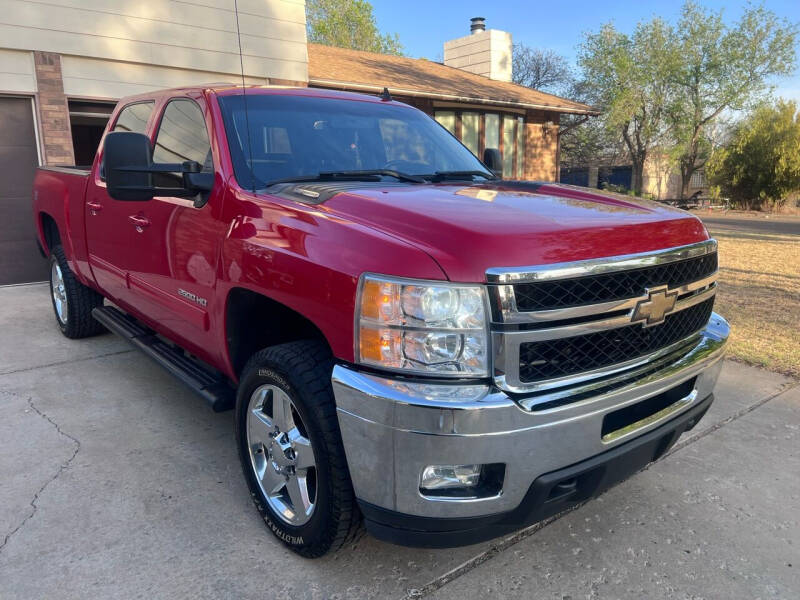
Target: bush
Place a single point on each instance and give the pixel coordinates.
(760, 168)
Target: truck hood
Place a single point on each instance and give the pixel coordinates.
(468, 229)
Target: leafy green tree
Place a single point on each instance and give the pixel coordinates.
(348, 24)
(721, 68)
(630, 79)
(761, 164)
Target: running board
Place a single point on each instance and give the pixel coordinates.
(214, 388)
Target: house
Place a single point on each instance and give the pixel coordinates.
(64, 65)
(471, 95)
(661, 179)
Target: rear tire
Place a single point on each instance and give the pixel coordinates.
(72, 301)
(297, 377)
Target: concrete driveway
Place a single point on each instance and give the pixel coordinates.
(116, 482)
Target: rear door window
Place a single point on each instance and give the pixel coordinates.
(134, 117)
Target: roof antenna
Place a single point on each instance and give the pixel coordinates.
(244, 97)
(385, 95)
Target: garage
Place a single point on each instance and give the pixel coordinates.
(20, 260)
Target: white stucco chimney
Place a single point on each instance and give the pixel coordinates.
(484, 51)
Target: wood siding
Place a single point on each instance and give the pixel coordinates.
(16, 72)
(198, 35)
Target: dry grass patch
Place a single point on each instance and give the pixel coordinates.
(759, 293)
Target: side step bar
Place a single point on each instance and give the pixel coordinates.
(213, 387)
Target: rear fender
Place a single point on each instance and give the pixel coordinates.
(58, 195)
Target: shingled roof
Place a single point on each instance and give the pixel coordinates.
(354, 70)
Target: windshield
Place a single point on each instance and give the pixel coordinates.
(300, 137)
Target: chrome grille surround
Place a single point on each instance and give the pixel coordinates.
(512, 327)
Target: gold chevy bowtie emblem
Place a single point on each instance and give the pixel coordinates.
(653, 310)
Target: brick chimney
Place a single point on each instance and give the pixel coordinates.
(484, 51)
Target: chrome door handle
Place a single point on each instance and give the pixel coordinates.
(94, 207)
(139, 222)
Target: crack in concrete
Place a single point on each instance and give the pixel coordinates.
(34, 503)
(506, 543)
(65, 362)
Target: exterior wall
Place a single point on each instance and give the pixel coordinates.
(200, 36)
(103, 79)
(107, 49)
(663, 180)
(53, 110)
(541, 146)
(486, 53)
(17, 72)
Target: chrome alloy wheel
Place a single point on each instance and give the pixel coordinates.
(59, 292)
(281, 454)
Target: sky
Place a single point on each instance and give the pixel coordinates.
(423, 25)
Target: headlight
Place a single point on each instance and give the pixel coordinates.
(429, 328)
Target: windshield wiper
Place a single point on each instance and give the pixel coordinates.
(459, 176)
(375, 172)
(368, 175)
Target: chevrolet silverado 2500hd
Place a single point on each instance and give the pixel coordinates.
(402, 335)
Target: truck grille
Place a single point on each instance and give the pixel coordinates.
(560, 331)
(567, 356)
(546, 295)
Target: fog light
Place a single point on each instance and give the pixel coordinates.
(440, 477)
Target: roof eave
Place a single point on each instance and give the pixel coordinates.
(344, 85)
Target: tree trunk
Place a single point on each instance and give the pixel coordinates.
(686, 178)
(637, 175)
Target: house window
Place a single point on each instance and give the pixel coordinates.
(492, 133)
(503, 132)
(520, 148)
(509, 145)
(698, 180)
(447, 119)
(470, 131)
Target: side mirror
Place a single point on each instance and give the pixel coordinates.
(129, 171)
(491, 158)
(125, 149)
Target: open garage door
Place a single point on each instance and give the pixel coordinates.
(20, 260)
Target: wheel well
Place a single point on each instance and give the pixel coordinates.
(50, 230)
(254, 322)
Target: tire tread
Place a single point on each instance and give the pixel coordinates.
(81, 300)
(307, 365)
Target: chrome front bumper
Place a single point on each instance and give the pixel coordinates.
(393, 428)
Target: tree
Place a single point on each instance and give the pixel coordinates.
(629, 78)
(348, 24)
(587, 141)
(722, 68)
(543, 70)
(761, 164)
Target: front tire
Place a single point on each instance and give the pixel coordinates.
(72, 301)
(291, 450)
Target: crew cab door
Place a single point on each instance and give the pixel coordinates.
(109, 233)
(175, 247)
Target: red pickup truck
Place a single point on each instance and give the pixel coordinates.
(403, 336)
